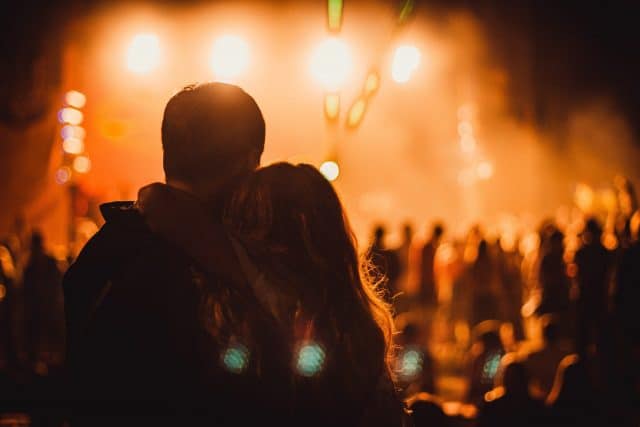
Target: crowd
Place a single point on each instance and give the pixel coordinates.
(269, 307)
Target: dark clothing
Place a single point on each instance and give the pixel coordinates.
(427, 292)
(135, 343)
(512, 411)
(554, 283)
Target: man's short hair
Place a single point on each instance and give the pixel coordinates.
(207, 129)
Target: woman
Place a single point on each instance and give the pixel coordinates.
(286, 230)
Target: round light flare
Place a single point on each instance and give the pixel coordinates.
(405, 61)
(229, 57)
(75, 99)
(143, 54)
(235, 358)
(82, 164)
(63, 175)
(70, 116)
(73, 145)
(310, 360)
(484, 170)
(331, 64)
(330, 170)
(69, 131)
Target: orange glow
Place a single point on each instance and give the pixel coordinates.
(73, 146)
(3, 291)
(143, 54)
(484, 170)
(372, 83)
(405, 61)
(229, 58)
(331, 64)
(82, 164)
(330, 170)
(75, 99)
(468, 144)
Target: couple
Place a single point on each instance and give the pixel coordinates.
(229, 295)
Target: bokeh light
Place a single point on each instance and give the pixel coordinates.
(331, 64)
(73, 146)
(310, 360)
(372, 83)
(235, 358)
(82, 164)
(410, 364)
(356, 112)
(405, 61)
(70, 116)
(75, 99)
(484, 170)
(229, 57)
(330, 170)
(70, 131)
(63, 175)
(143, 54)
(331, 106)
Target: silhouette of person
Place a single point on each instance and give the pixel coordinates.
(572, 400)
(384, 261)
(483, 278)
(426, 411)
(138, 341)
(542, 364)
(593, 263)
(553, 278)
(289, 233)
(510, 403)
(43, 307)
(403, 255)
(485, 356)
(427, 291)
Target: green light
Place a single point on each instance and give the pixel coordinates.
(310, 359)
(405, 11)
(334, 14)
(236, 358)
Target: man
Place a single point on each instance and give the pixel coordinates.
(136, 339)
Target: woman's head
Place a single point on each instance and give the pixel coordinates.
(294, 213)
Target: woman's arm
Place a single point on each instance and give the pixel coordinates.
(180, 218)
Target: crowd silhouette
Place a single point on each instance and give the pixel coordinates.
(234, 293)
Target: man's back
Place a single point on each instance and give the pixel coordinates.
(135, 342)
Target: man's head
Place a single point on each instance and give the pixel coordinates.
(210, 133)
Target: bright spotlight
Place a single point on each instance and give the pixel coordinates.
(405, 60)
(330, 170)
(229, 57)
(143, 54)
(331, 64)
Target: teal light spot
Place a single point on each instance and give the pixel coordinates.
(310, 359)
(235, 358)
(410, 364)
(490, 368)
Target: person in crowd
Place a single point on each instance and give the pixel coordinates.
(291, 234)
(414, 365)
(572, 400)
(510, 403)
(138, 342)
(485, 356)
(593, 262)
(483, 279)
(427, 289)
(510, 278)
(7, 302)
(543, 363)
(385, 262)
(403, 254)
(43, 308)
(426, 411)
(553, 278)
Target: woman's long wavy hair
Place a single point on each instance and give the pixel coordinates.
(308, 251)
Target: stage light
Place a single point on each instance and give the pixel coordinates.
(330, 170)
(143, 54)
(73, 146)
(70, 116)
(484, 170)
(331, 64)
(69, 131)
(75, 99)
(356, 113)
(405, 60)
(82, 164)
(229, 57)
(331, 106)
